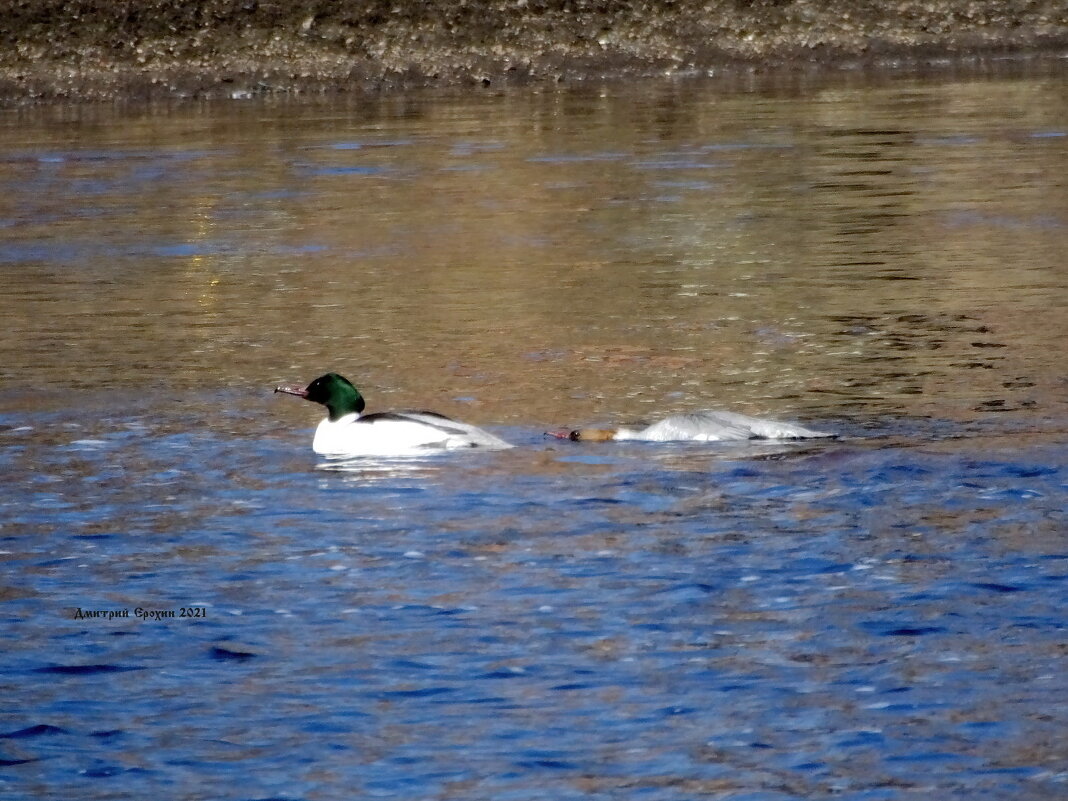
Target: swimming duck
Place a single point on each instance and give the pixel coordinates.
(698, 427)
(346, 431)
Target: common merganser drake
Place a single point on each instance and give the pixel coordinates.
(698, 427)
(346, 431)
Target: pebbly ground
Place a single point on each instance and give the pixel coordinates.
(114, 49)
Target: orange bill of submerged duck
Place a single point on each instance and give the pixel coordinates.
(585, 434)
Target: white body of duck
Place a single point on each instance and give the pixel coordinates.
(700, 427)
(398, 433)
(347, 432)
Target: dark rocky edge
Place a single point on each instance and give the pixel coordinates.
(105, 49)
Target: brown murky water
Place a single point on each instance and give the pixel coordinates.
(879, 617)
(836, 251)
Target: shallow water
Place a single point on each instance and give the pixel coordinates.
(878, 617)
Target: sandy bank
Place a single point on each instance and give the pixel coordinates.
(86, 50)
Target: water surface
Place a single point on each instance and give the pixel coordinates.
(879, 617)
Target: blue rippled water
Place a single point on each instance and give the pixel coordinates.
(867, 618)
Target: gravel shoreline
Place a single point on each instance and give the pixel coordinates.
(85, 50)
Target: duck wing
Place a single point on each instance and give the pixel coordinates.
(698, 427)
(432, 419)
(436, 430)
(760, 428)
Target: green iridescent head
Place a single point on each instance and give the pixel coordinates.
(333, 391)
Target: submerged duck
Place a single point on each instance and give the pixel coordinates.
(346, 431)
(698, 427)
